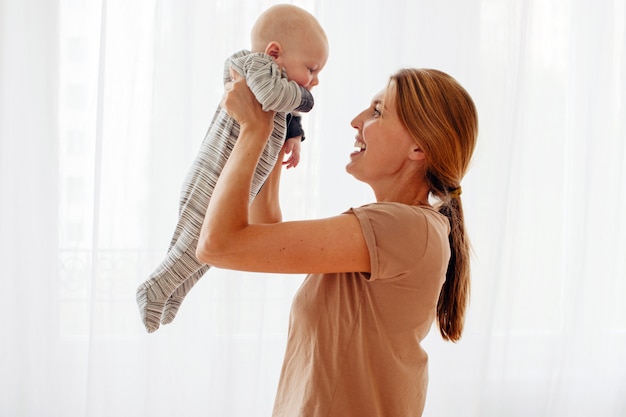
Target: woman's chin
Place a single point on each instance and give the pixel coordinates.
(354, 157)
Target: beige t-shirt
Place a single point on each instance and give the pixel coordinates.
(354, 338)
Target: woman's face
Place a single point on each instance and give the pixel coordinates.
(384, 145)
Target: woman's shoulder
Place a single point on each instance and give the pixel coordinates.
(396, 217)
(402, 236)
(398, 210)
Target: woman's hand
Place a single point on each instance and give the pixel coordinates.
(240, 104)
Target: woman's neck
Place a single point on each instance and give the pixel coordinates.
(411, 194)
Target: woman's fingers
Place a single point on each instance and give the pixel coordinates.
(234, 75)
(241, 104)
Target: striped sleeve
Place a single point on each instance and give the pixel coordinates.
(273, 90)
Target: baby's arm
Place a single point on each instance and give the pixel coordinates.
(295, 135)
(271, 89)
(292, 149)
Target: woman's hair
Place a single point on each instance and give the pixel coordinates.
(442, 118)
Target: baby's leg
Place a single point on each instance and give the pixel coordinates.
(179, 264)
(175, 300)
(173, 303)
(181, 268)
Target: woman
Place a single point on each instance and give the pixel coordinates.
(379, 275)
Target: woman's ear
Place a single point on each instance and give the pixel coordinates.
(273, 49)
(417, 154)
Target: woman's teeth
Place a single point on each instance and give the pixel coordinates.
(359, 145)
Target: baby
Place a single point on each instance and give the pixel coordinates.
(288, 50)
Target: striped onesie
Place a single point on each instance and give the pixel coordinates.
(161, 294)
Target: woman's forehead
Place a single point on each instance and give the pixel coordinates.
(386, 96)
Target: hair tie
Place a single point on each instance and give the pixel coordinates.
(455, 192)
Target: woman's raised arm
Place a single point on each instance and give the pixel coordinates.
(229, 240)
(265, 208)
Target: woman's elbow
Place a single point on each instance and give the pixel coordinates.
(276, 216)
(202, 254)
(208, 250)
(220, 248)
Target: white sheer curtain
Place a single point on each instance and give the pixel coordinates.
(104, 103)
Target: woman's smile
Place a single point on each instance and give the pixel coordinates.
(359, 146)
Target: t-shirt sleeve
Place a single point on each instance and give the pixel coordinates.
(398, 238)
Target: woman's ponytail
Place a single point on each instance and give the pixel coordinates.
(442, 118)
(454, 295)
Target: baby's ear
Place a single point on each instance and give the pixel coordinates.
(273, 49)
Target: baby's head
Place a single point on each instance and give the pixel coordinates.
(296, 41)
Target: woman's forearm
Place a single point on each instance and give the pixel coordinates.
(265, 208)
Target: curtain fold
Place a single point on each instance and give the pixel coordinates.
(29, 194)
(103, 105)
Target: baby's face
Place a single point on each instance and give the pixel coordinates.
(304, 60)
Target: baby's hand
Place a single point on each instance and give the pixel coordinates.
(292, 149)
